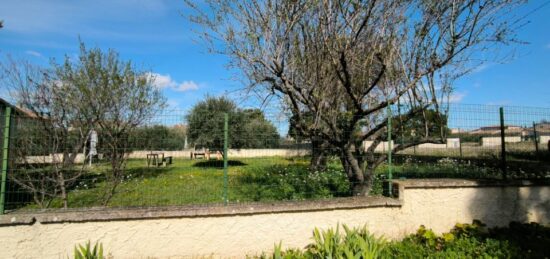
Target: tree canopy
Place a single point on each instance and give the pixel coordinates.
(248, 128)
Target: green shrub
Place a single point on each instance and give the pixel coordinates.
(293, 182)
(87, 252)
(463, 241)
(332, 243)
(353, 243)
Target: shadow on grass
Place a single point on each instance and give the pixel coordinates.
(217, 163)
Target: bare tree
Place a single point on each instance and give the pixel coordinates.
(347, 62)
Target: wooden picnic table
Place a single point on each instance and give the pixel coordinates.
(155, 159)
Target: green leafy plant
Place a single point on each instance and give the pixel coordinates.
(352, 243)
(89, 252)
(463, 241)
(518, 240)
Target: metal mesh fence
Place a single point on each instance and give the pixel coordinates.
(169, 160)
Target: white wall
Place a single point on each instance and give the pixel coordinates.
(436, 207)
(382, 146)
(496, 141)
(544, 139)
(233, 153)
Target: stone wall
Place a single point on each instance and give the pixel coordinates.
(239, 230)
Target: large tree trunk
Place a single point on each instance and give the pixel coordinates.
(360, 181)
(319, 154)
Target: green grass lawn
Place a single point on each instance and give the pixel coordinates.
(184, 182)
(260, 179)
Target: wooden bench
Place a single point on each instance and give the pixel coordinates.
(167, 161)
(158, 159)
(204, 153)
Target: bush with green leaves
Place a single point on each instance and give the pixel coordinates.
(293, 182)
(518, 240)
(334, 243)
(463, 241)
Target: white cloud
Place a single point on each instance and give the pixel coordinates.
(456, 97)
(166, 82)
(186, 85)
(34, 53)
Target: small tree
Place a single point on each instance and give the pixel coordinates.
(119, 98)
(97, 92)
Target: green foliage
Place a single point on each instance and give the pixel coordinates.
(293, 182)
(88, 252)
(353, 243)
(248, 128)
(463, 241)
(158, 137)
(279, 253)
(333, 243)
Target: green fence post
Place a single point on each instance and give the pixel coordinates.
(502, 143)
(535, 138)
(5, 151)
(460, 144)
(225, 140)
(390, 173)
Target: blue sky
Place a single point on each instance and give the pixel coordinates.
(155, 35)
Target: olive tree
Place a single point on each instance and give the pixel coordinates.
(65, 102)
(248, 128)
(118, 96)
(51, 129)
(345, 63)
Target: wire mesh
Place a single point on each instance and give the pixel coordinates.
(173, 159)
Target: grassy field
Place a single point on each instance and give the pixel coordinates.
(273, 178)
(184, 182)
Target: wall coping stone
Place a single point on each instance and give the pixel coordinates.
(191, 211)
(461, 183)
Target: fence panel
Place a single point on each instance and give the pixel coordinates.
(170, 160)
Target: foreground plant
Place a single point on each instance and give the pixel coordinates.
(333, 243)
(518, 240)
(88, 252)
